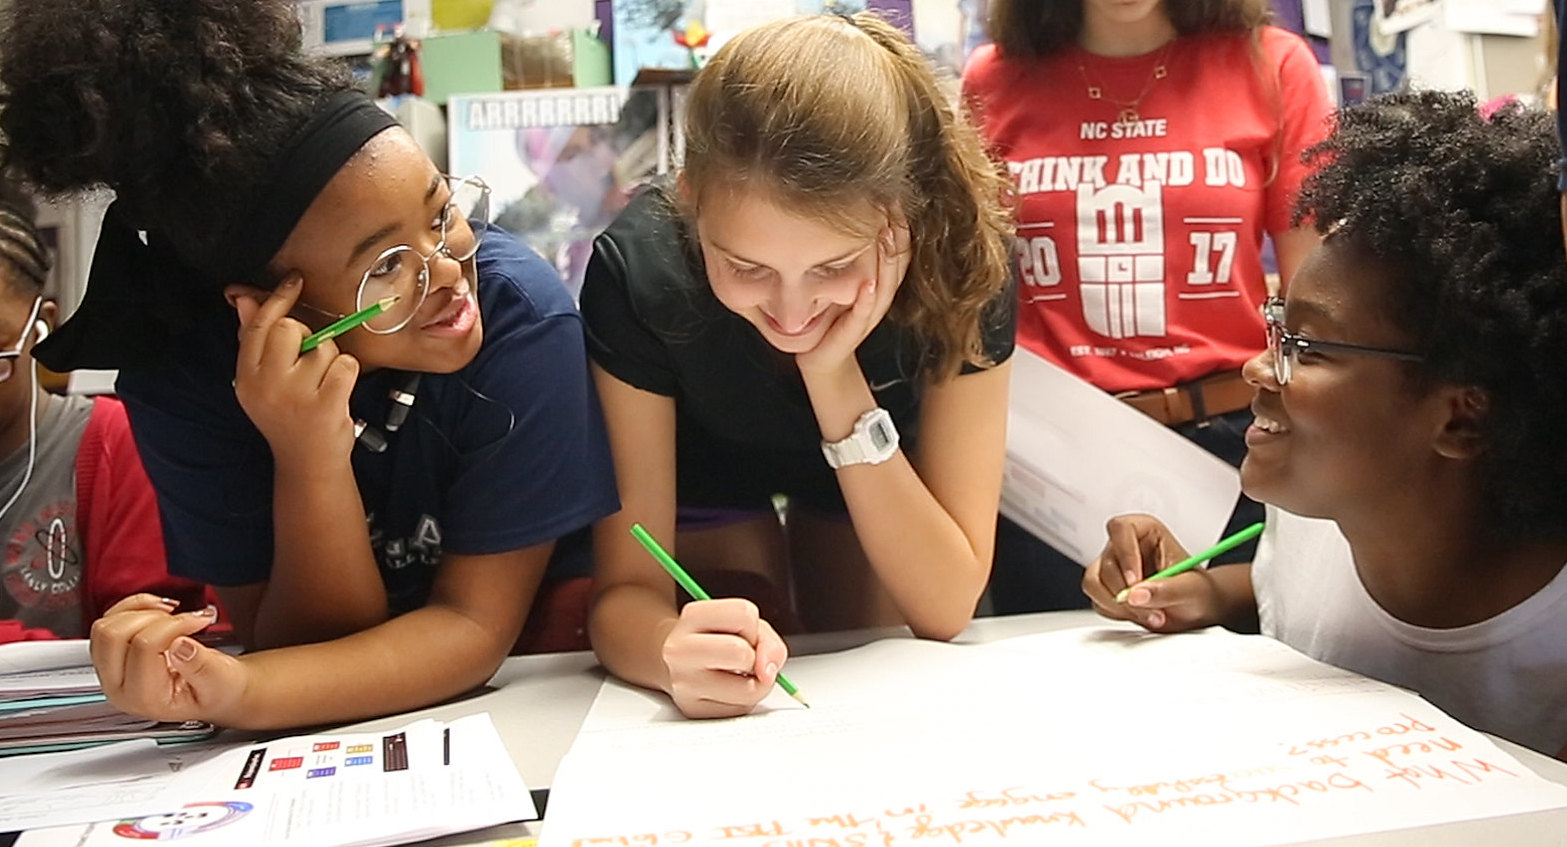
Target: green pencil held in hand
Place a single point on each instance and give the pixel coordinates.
(342, 325)
(675, 570)
(1190, 562)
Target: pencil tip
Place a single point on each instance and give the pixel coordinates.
(796, 695)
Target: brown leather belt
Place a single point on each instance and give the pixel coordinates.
(1209, 397)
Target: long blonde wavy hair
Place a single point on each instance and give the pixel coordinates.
(824, 113)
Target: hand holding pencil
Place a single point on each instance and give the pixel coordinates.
(1144, 575)
(299, 401)
(722, 658)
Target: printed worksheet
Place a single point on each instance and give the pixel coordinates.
(422, 780)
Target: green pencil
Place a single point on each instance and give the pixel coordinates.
(1190, 562)
(342, 325)
(689, 584)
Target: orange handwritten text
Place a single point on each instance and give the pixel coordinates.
(1224, 794)
(925, 828)
(752, 830)
(1464, 773)
(1010, 797)
(1407, 725)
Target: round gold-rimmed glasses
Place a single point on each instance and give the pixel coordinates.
(404, 272)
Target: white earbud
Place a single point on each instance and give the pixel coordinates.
(42, 329)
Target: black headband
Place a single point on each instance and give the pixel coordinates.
(140, 290)
(316, 152)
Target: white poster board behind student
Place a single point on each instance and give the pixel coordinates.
(1077, 457)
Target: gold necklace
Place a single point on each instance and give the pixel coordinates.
(1128, 113)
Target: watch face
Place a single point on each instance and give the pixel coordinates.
(880, 437)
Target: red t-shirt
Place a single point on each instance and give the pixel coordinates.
(115, 544)
(1139, 243)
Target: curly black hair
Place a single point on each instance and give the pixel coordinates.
(177, 105)
(1464, 212)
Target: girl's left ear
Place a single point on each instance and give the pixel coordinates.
(1463, 433)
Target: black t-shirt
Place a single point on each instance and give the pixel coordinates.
(744, 425)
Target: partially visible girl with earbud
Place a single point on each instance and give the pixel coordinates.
(78, 519)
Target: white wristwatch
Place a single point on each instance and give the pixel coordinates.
(872, 442)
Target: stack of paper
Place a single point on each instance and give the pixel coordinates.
(50, 699)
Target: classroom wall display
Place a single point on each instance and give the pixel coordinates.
(561, 163)
(683, 33)
(948, 30)
(1379, 53)
(349, 27)
(69, 228)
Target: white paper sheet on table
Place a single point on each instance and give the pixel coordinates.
(27, 656)
(388, 787)
(1077, 457)
(1048, 737)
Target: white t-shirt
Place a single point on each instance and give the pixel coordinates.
(1506, 675)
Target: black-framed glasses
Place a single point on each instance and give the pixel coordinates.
(8, 357)
(404, 272)
(1286, 345)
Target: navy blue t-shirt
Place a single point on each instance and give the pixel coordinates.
(506, 453)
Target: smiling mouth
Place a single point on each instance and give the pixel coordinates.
(450, 315)
(1268, 425)
(804, 329)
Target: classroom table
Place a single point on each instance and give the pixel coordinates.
(537, 704)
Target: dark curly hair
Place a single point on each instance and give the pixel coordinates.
(177, 105)
(1030, 29)
(1464, 213)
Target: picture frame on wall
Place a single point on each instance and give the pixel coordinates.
(561, 163)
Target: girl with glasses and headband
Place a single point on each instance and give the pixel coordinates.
(1408, 436)
(78, 519)
(818, 308)
(379, 514)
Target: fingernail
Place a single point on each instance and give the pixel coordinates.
(1156, 619)
(1139, 597)
(210, 611)
(1130, 577)
(169, 601)
(292, 281)
(184, 649)
(771, 670)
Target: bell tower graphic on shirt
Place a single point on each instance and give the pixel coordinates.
(1120, 258)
